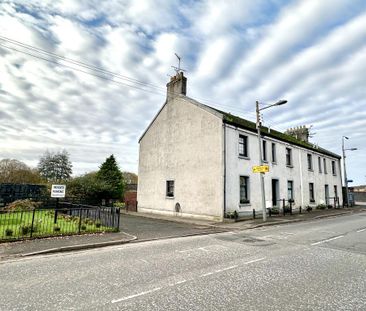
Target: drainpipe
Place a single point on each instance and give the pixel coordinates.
(224, 170)
(301, 184)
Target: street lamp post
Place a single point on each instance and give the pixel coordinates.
(257, 109)
(344, 168)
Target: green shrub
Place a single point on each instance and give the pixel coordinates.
(98, 224)
(321, 206)
(275, 210)
(119, 204)
(88, 221)
(56, 229)
(232, 215)
(8, 232)
(25, 230)
(23, 205)
(83, 227)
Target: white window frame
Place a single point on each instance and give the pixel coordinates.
(245, 146)
(289, 154)
(273, 153)
(247, 188)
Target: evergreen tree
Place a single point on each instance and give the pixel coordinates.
(88, 187)
(110, 174)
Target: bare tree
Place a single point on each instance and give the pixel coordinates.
(14, 171)
(129, 178)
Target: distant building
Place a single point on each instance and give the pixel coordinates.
(196, 161)
(361, 188)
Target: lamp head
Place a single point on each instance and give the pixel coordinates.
(281, 102)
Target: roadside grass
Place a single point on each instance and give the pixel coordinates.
(18, 225)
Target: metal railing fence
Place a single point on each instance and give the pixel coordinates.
(68, 219)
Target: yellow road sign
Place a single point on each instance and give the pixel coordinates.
(260, 169)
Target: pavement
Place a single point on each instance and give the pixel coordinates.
(138, 227)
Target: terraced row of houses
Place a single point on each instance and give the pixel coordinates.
(196, 161)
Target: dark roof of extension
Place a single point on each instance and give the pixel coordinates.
(251, 126)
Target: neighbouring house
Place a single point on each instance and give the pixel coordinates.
(196, 161)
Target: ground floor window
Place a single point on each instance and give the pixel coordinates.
(335, 192)
(170, 188)
(311, 192)
(244, 189)
(290, 190)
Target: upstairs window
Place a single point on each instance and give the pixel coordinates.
(325, 166)
(274, 156)
(264, 150)
(288, 156)
(334, 172)
(310, 162)
(320, 164)
(170, 188)
(244, 189)
(243, 145)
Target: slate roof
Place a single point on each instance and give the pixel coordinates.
(265, 131)
(250, 126)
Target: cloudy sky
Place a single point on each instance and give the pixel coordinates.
(310, 52)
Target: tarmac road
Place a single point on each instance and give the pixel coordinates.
(317, 265)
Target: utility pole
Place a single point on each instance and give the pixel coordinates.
(344, 168)
(261, 161)
(257, 110)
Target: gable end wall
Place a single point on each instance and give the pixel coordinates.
(184, 144)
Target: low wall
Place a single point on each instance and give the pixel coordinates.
(130, 199)
(359, 196)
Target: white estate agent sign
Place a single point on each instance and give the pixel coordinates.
(58, 191)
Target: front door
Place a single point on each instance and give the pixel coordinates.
(275, 192)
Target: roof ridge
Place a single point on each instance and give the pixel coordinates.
(250, 125)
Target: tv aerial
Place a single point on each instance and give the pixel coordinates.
(178, 69)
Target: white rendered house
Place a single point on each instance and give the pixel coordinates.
(196, 161)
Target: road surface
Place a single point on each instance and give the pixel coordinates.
(318, 265)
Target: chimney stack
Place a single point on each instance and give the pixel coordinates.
(177, 85)
(300, 132)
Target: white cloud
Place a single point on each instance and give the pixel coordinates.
(309, 52)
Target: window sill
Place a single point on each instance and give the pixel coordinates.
(290, 166)
(243, 157)
(274, 163)
(334, 174)
(169, 198)
(244, 204)
(312, 201)
(311, 170)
